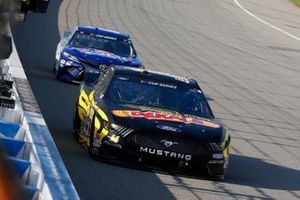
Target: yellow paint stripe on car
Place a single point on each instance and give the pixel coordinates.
(103, 134)
(97, 125)
(102, 114)
(91, 97)
(228, 149)
(82, 105)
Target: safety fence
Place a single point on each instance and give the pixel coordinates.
(26, 139)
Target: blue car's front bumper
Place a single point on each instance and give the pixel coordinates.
(70, 71)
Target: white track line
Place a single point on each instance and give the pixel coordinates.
(264, 22)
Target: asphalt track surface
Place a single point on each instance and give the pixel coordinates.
(250, 70)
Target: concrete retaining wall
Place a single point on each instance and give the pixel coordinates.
(28, 142)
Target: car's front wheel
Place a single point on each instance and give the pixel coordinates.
(94, 147)
(76, 124)
(55, 69)
(217, 171)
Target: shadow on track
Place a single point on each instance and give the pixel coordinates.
(243, 170)
(258, 173)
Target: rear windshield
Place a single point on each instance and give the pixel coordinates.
(121, 47)
(128, 90)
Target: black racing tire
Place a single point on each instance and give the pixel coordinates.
(55, 70)
(215, 176)
(76, 124)
(94, 151)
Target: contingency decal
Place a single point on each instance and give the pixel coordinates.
(178, 78)
(182, 79)
(169, 128)
(99, 35)
(163, 117)
(165, 85)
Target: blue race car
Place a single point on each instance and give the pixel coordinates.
(93, 48)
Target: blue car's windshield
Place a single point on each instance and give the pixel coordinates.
(125, 90)
(121, 47)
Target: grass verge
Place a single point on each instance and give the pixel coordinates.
(296, 2)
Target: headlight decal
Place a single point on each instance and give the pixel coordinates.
(62, 62)
(70, 57)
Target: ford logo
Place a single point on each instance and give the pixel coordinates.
(169, 128)
(168, 143)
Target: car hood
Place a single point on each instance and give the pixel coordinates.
(98, 57)
(156, 120)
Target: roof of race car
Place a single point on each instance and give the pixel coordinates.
(154, 75)
(101, 31)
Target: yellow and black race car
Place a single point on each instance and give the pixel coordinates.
(156, 118)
